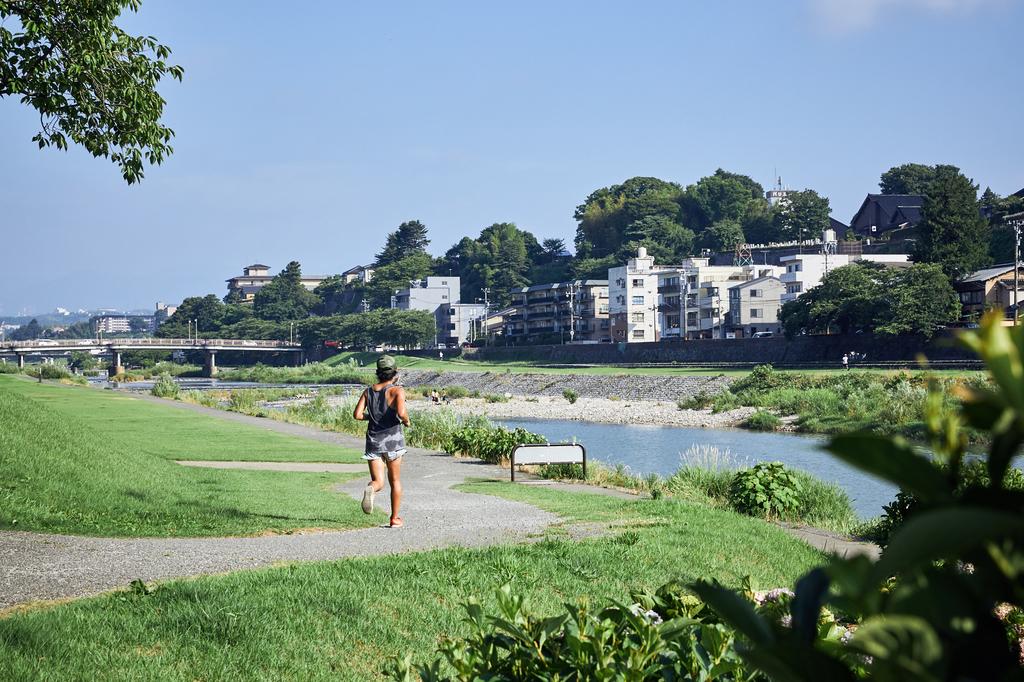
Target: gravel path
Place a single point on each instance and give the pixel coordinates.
(36, 566)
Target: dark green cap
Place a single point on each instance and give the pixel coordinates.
(386, 362)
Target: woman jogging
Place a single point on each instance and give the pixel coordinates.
(383, 405)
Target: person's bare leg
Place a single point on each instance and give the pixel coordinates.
(375, 485)
(394, 478)
(376, 475)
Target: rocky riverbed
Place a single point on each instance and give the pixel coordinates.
(600, 410)
(625, 387)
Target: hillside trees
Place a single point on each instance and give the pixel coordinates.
(952, 231)
(284, 297)
(603, 218)
(804, 215)
(92, 83)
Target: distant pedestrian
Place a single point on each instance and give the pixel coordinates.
(435, 397)
(846, 361)
(383, 405)
(440, 355)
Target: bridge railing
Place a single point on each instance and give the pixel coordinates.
(144, 343)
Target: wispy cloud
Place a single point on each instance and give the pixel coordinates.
(853, 15)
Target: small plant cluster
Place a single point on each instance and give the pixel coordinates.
(166, 387)
(668, 634)
(701, 400)
(768, 490)
(314, 373)
(492, 444)
(570, 395)
(497, 398)
(762, 420)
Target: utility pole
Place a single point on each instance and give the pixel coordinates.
(1016, 220)
(487, 308)
(572, 312)
(684, 288)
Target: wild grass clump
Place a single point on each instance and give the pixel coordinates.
(570, 395)
(313, 373)
(497, 398)
(701, 400)
(204, 398)
(166, 387)
(762, 420)
(173, 369)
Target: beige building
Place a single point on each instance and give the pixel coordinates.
(633, 299)
(256, 276)
(991, 288)
(575, 311)
(360, 273)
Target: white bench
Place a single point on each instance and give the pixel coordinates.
(549, 453)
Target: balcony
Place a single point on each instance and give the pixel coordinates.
(540, 330)
(538, 301)
(669, 289)
(514, 316)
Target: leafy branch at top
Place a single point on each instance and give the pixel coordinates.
(91, 82)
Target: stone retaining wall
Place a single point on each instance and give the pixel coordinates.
(586, 385)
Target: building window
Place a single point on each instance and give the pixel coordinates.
(444, 297)
(755, 293)
(691, 319)
(756, 313)
(794, 288)
(638, 317)
(638, 300)
(691, 280)
(638, 333)
(451, 327)
(451, 312)
(638, 283)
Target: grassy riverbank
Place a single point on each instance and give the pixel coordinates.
(83, 461)
(345, 620)
(841, 402)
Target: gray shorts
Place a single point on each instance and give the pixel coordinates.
(391, 456)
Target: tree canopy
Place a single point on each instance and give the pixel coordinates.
(409, 239)
(866, 297)
(91, 82)
(804, 215)
(909, 178)
(952, 231)
(285, 298)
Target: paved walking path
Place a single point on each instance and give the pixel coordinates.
(36, 566)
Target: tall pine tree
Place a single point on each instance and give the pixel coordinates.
(410, 238)
(952, 231)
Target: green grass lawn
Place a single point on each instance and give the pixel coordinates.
(82, 461)
(344, 620)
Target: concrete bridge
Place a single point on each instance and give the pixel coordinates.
(114, 347)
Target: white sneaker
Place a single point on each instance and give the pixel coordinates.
(368, 493)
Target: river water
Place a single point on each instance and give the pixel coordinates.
(661, 450)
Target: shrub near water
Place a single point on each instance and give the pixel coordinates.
(166, 387)
(768, 490)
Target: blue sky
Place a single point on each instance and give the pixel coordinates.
(309, 134)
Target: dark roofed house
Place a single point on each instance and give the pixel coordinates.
(1018, 193)
(838, 226)
(882, 213)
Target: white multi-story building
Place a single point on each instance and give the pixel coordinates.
(649, 302)
(633, 299)
(805, 271)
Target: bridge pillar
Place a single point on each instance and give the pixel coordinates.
(21, 361)
(211, 364)
(115, 364)
(300, 358)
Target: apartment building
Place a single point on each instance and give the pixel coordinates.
(460, 322)
(256, 276)
(574, 311)
(633, 299)
(695, 300)
(754, 307)
(122, 324)
(360, 273)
